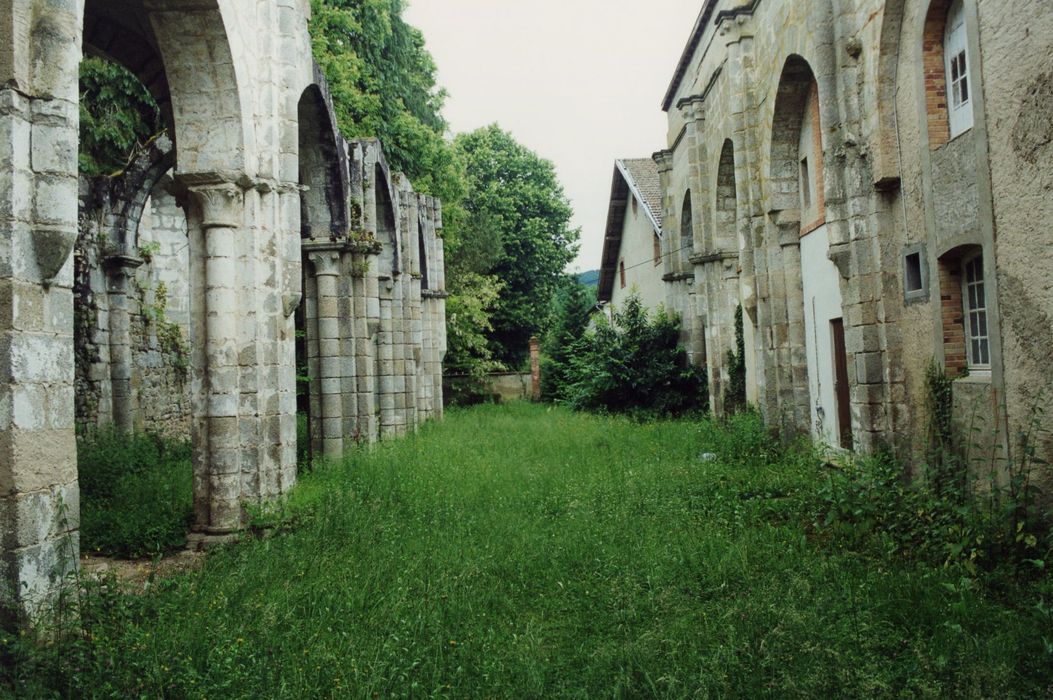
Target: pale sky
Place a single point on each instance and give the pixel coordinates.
(580, 82)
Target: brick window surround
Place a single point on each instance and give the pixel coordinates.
(935, 73)
(819, 191)
(952, 309)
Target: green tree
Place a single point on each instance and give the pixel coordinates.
(383, 84)
(117, 115)
(516, 193)
(574, 304)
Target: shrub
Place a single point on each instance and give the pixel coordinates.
(635, 365)
(136, 493)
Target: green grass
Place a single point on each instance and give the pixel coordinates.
(526, 552)
(136, 493)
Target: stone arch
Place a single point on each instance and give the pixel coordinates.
(106, 37)
(387, 223)
(797, 91)
(183, 53)
(212, 114)
(725, 210)
(422, 247)
(786, 363)
(886, 155)
(322, 167)
(131, 192)
(687, 228)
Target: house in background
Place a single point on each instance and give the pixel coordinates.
(632, 245)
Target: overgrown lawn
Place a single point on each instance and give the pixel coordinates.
(528, 552)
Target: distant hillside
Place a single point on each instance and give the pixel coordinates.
(590, 278)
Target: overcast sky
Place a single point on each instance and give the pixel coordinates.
(578, 81)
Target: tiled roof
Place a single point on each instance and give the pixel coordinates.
(644, 173)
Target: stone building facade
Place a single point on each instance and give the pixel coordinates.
(870, 181)
(261, 180)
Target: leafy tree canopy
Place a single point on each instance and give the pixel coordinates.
(383, 84)
(117, 115)
(516, 194)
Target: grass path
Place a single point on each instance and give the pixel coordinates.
(527, 552)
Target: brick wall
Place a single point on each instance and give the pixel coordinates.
(935, 74)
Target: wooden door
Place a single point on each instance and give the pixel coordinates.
(841, 387)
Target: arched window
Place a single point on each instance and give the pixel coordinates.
(956, 64)
(949, 89)
(621, 273)
(963, 297)
(657, 242)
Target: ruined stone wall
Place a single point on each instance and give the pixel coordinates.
(132, 305)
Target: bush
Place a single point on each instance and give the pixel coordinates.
(136, 493)
(635, 365)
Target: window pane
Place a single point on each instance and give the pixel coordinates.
(974, 325)
(965, 89)
(975, 357)
(983, 323)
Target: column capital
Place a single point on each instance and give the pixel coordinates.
(325, 258)
(221, 204)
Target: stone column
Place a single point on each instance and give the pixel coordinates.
(217, 463)
(120, 273)
(39, 508)
(325, 260)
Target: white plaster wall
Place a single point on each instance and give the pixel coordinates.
(822, 303)
(642, 276)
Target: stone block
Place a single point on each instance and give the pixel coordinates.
(37, 460)
(869, 368)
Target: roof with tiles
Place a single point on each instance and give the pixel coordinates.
(644, 175)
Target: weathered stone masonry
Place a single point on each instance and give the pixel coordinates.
(189, 269)
(817, 177)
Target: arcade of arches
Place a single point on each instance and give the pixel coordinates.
(169, 296)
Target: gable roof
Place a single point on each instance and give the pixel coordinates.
(636, 178)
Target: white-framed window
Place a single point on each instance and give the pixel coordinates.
(974, 301)
(957, 62)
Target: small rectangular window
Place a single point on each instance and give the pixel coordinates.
(657, 250)
(913, 273)
(621, 270)
(806, 185)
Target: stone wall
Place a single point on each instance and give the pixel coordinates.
(153, 328)
(886, 189)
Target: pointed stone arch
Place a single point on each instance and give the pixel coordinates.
(323, 170)
(387, 222)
